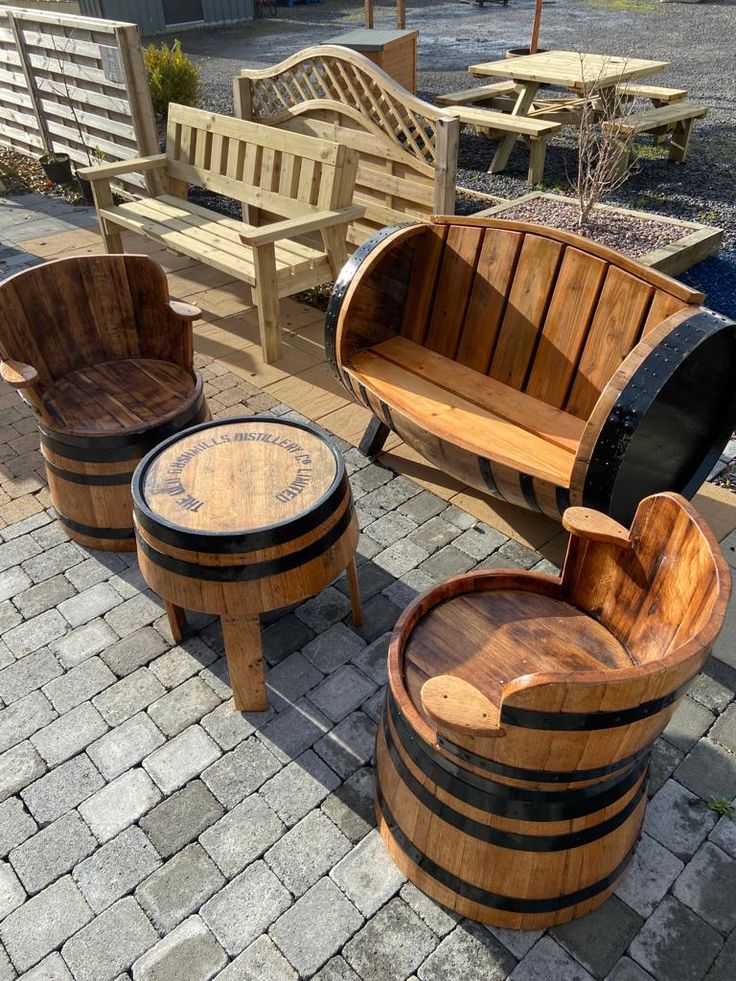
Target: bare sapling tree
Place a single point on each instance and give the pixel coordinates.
(605, 158)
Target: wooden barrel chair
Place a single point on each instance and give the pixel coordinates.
(512, 757)
(532, 364)
(105, 358)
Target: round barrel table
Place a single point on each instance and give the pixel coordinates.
(240, 516)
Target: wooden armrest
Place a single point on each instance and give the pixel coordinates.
(184, 310)
(104, 171)
(300, 226)
(458, 707)
(17, 374)
(596, 527)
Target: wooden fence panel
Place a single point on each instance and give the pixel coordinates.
(74, 85)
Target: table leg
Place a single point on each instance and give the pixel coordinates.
(242, 636)
(523, 102)
(177, 621)
(354, 589)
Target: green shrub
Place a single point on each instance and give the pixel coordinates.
(172, 77)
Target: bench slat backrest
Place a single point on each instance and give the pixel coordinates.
(285, 174)
(542, 311)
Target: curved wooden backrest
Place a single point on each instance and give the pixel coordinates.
(65, 314)
(407, 147)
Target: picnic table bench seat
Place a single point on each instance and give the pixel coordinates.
(658, 94)
(533, 364)
(296, 192)
(477, 95)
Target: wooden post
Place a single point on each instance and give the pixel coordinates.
(446, 137)
(535, 27)
(30, 83)
(139, 97)
(401, 14)
(368, 13)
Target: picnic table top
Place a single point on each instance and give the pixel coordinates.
(570, 69)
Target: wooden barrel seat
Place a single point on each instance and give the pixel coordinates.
(95, 345)
(513, 752)
(532, 364)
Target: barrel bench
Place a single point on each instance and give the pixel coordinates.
(532, 364)
(238, 517)
(94, 344)
(513, 752)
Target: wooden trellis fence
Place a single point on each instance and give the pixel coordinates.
(74, 85)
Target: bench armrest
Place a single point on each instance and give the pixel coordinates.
(184, 310)
(17, 374)
(595, 527)
(301, 226)
(105, 171)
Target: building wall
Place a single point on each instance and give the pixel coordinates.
(47, 6)
(148, 14)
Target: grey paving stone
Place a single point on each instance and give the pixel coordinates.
(129, 581)
(262, 960)
(238, 773)
(367, 549)
(24, 717)
(111, 943)
(678, 820)
(675, 944)
(9, 616)
(368, 875)
(294, 729)
(709, 771)
(282, 638)
(324, 609)
(12, 582)
(342, 692)
(400, 557)
(391, 945)
(371, 578)
(725, 646)
(245, 907)
(122, 700)
(61, 789)
(306, 852)
(179, 887)
(449, 561)
(182, 662)
(306, 949)
(181, 758)
(665, 760)
(468, 952)
(27, 675)
(17, 551)
(423, 507)
(299, 787)
(190, 951)
(705, 884)
(51, 968)
(288, 680)
(135, 613)
(43, 923)
(369, 479)
(391, 528)
(124, 746)
(44, 596)
(96, 568)
(722, 969)
(688, 724)
(520, 555)
(116, 868)
(723, 835)
(724, 731)
(331, 648)
(12, 893)
(547, 961)
(434, 534)
(56, 849)
(84, 642)
(653, 870)
(79, 684)
(349, 745)
(16, 825)
(389, 496)
(228, 727)
(338, 969)
(183, 706)
(120, 803)
(69, 734)
(242, 835)
(181, 818)
(19, 766)
(599, 939)
(714, 686)
(628, 970)
(89, 604)
(350, 807)
(134, 651)
(372, 659)
(379, 615)
(440, 920)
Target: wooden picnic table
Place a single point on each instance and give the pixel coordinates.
(565, 69)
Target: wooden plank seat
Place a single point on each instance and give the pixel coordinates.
(513, 755)
(477, 95)
(677, 119)
(492, 122)
(532, 364)
(296, 192)
(658, 94)
(94, 344)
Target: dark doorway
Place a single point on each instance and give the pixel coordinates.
(183, 11)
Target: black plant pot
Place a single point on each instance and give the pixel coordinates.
(521, 52)
(57, 167)
(85, 187)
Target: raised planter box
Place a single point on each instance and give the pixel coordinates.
(696, 243)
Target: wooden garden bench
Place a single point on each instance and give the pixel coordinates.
(478, 95)
(677, 119)
(304, 182)
(533, 364)
(489, 122)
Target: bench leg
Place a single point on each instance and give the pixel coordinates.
(354, 589)
(681, 139)
(524, 100)
(267, 300)
(537, 151)
(374, 437)
(177, 621)
(242, 636)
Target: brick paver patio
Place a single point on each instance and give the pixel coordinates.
(148, 831)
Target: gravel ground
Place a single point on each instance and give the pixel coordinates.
(696, 38)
